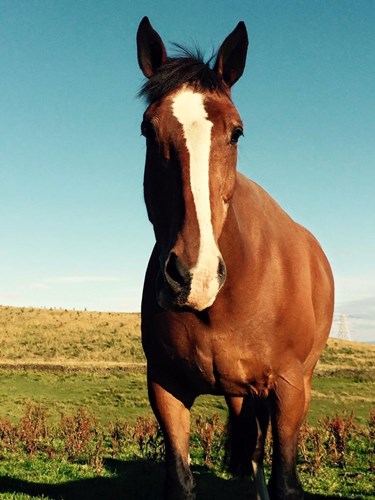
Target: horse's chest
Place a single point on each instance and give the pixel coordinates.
(239, 369)
(218, 361)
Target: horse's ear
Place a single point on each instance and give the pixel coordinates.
(150, 48)
(231, 58)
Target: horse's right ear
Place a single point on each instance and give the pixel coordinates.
(150, 49)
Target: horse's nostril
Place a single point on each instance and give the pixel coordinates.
(175, 274)
(221, 271)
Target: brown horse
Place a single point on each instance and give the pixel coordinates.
(238, 297)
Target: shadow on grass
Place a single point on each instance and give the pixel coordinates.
(135, 480)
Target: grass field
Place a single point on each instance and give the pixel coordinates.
(67, 360)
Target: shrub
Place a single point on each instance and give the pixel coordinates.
(8, 436)
(149, 438)
(371, 426)
(339, 431)
(311, 447)
(32, 431)
(79, 434)
(210, 433)
(120, 434)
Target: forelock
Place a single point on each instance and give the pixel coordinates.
(187, 68)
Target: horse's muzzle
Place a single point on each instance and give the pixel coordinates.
(174, 290)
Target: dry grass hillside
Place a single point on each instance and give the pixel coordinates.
(84, 339)
(341, 357)
(59, 336)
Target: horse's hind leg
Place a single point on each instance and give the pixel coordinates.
(248, 423)
(174, 418)
(262, 414)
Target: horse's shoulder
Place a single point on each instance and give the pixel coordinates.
(251, 198)
(254, 203)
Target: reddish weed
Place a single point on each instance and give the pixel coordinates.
(32, 430)
(148, 436)
(339, 430)
(78, 431)
(210, 434)
(120, 434)
(371, 426)
(8, 436)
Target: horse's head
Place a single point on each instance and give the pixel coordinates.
(192, 128)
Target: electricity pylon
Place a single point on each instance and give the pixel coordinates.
(344, 328)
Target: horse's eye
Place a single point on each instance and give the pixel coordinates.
(236, 134)
(148, 131)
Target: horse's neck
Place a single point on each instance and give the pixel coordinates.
(244, 217)
(254, 220)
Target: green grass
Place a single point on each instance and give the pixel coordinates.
(109, 395)
(341, 395)
(122, 394)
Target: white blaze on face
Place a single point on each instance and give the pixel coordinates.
(188, 108)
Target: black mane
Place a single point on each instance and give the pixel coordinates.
(187, 68)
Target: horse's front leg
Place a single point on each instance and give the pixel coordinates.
(173, 415)
(287, 415)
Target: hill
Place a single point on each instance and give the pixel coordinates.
(62, 337)
(66, 337)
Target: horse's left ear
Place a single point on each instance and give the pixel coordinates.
(231, 58)
(150, 49)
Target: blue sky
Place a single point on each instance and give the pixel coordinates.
(74, 230)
